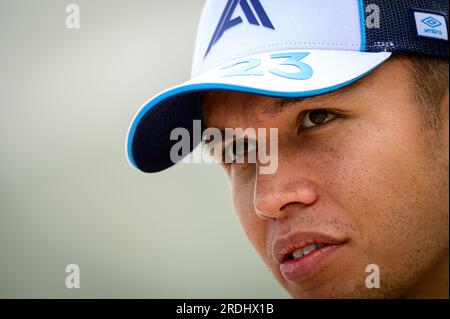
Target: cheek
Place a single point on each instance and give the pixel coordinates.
(382, 179)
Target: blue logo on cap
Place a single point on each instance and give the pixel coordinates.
(226, 22)
(431, 22)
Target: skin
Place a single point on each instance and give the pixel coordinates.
(373, 175)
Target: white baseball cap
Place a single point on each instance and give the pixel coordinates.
(286, 49)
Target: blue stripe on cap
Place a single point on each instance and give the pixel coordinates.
(362, 21)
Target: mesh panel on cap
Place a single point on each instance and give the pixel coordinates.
(398, 33)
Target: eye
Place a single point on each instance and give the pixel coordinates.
(238, 150)
(315, 118)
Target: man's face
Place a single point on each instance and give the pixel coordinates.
(358, 175)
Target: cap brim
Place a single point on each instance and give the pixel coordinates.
(272, 74)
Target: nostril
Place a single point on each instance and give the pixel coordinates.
(279, 213)
(296, 205)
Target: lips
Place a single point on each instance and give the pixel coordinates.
(301, 253)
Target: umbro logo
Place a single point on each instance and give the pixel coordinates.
(226, 21)
(431, 25)
(431, 22)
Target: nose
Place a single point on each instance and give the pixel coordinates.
(275, 194)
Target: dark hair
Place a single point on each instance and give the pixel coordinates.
(429, 84)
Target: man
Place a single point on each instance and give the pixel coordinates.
(357, 92)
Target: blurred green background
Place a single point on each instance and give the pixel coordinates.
(67, 194)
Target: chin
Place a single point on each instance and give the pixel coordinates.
(331, 285)
(332, 292)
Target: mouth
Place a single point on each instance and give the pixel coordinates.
(301, 254)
